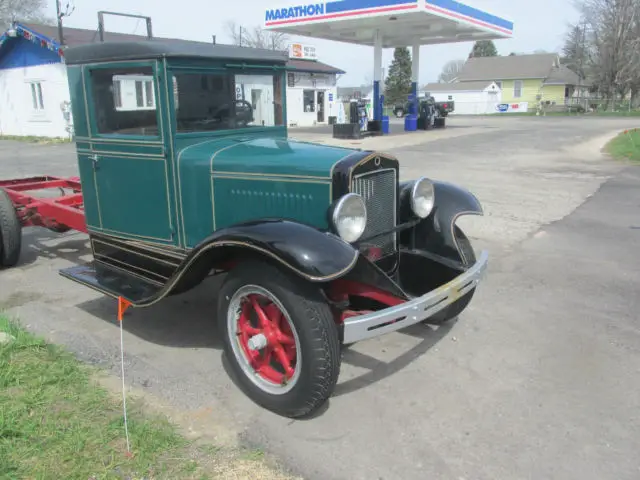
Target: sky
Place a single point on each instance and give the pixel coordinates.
(539, 24)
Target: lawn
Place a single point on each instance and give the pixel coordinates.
(56, 422)
(626, 146)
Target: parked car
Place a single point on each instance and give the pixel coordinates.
(444, 108)
(319, 246)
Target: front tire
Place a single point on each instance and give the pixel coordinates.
(457, 307)
(280, 338)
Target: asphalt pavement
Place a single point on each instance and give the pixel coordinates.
(538, 379)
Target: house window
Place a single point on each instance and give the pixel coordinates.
(517, 89)
(117, 94)
(36, 96)
(144, 94)
(309, 100)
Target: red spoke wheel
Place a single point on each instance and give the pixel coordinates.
(280, 337)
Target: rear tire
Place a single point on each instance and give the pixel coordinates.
(399, 113)
(287, 360)
(10, 232)
(457, 307)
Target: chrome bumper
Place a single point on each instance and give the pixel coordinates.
(413, 311)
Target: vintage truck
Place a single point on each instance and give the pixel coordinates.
(319, 246)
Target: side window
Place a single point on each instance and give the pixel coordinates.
(124, 101)
(309, 101)
(517, 89)
(225, 101)
(37, 102)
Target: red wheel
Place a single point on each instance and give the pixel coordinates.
(280, 339)
(266, 346)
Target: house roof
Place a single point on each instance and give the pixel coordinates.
(562, 76)
(508, 68)
(311, 66)
(457, 87)
(131, 46)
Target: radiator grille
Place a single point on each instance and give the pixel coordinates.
(378, 189)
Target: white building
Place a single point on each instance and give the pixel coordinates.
(34, 93)
(471, 98)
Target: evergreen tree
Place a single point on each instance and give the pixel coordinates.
(398, 81)
(484, 48)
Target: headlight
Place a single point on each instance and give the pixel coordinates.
(422, 197)
(350, 217)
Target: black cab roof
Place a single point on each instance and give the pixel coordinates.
(149, 49)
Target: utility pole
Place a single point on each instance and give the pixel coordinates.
(68, 10)
(59, 16)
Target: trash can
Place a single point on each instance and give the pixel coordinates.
(411, 123)
(385, 125)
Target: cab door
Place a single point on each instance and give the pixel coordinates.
(132, 170)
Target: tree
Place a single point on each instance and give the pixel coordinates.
(484, 48)
(22, 10)
(574, 52)
(450, 70)
(398, 82)
(256, 37)
(612, 45)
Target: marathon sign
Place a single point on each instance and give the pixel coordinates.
(292, 13)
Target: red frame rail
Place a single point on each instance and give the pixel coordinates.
(56, 213)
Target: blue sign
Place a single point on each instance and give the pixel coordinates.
(331, 97)
(503, 107)
(301, 11)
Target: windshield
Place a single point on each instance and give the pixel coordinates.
(224, 101)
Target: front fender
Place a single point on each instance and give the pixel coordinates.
(436, 233)
(315, 255)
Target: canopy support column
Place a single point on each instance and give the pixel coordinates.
(377, 75)
(411, 120)
(415, 70)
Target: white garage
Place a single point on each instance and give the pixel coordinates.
(471, 98)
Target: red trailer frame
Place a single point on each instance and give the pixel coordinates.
(60, 214)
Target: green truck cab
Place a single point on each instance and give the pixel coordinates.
(187, 171)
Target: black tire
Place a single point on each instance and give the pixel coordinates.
(399, 113)
(10, 232)
(315, 332)
(457, 307)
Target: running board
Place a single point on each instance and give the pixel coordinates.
(112, 282)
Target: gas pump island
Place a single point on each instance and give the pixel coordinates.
(389, 24)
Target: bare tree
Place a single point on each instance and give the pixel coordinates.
(22, 10)
(450, 71)
(255, 37)
(612, 44)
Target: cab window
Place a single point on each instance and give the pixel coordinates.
(124, 101)
(225, 101)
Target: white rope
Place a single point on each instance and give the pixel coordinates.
(124, 395)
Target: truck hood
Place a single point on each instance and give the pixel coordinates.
(265, 156)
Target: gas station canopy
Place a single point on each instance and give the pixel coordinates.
(389, 24)
(399, 23)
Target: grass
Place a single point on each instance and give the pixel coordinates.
(626, 146)
(56, 422)
(34, 139)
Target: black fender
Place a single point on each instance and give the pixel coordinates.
(436, 233)
(310, 253)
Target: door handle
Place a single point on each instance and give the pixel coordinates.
(94, 160)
